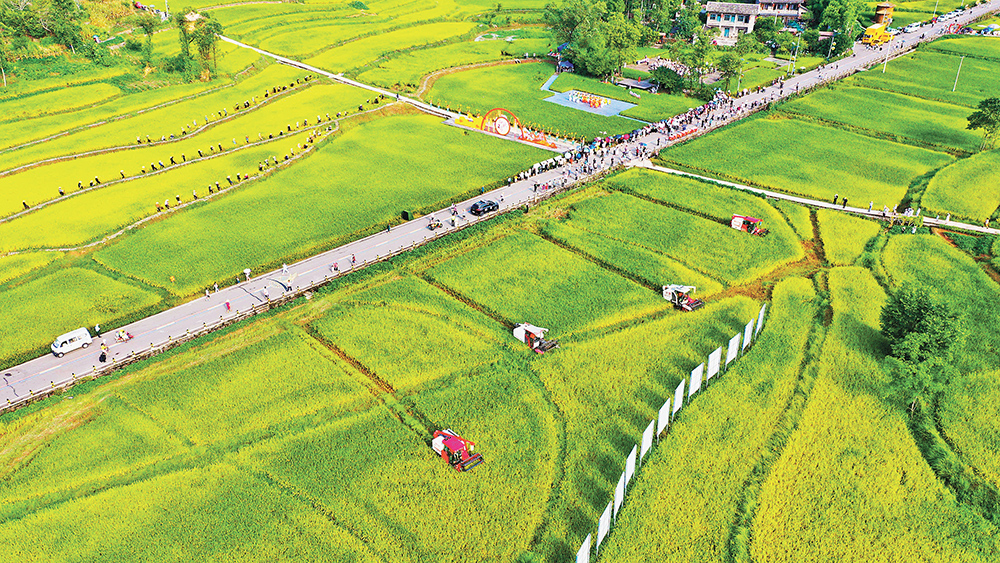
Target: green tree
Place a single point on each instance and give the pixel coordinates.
(766, 29)
(147, 23)
(923, 334)
(600, 42)
(183, 26)
(729, 65)
(688, 23)
(668, 79)
(205, 37)
(843, 14)
(662, 16)
(622, 38)
(747, 43)
(987, 119)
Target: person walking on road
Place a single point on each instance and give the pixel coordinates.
(353, 260)
(228, 307)
(216, 288)
(246, 273)
(207, 294)
(845, 203)
(284, 269)
(97, 330)
(870, 203)
(835, 197)
(264, 292)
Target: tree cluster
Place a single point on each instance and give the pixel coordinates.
(600, 36)
(924, 333)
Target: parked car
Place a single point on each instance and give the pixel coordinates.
(79, 338)
(912, 27)
(483, 207)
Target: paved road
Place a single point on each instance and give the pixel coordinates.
(201, 314)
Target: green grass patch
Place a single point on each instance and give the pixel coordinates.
(649, 107)
(966, 188)
(722, 434)
(518, 89)
(769, 152)
(900, 117)
(323, 201)
(844, 235)
(933, 263)
(526, 279)
(969, 411)
(35, 313)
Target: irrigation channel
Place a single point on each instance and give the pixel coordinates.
(42, 376)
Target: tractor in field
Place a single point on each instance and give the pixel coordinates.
(750, 225)
(455, 450)
(680, 296)
(534, 337)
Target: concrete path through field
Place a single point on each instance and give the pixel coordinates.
(22, 382)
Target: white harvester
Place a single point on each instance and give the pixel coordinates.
(680, 296)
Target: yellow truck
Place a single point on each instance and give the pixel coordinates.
(876, 35)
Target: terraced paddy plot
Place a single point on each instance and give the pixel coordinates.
(712, 248)
(912, 119)
(932, 75)
(38, 311)
(405, 70)
(217, 513)
(88, 73)
(517, 88)
(73, 222)
(802, 158)
(58, 101)
(357, 53)
(385, 498)
(16, 265)
(797, 216)
(967, 188)
(844, 235)
(609, 388)
(350, 184)
(249, 388)
(933, 263)
(41, 183)
(423, 335)
(978, 47)
(722, 435)
(853, 460)
(524, 278)
(151, 114)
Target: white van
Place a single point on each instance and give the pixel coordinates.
(79, 338)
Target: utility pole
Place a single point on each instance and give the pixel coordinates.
(887, 51)
(962, 60)
(935, 9)
(795, 57)
(830, 51)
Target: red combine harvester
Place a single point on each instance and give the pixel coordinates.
(679, 296)
(455, 450)
(750, 225)
(534, 337)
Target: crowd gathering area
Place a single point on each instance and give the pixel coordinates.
(305, 433)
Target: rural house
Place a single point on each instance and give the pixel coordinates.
(787, 10)
(732, 20)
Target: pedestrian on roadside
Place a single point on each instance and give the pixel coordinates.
(845, 203)
(228, 307)
(354, 260)
(264, 291)
(835, 196)
(246, 272)
(335, 267)
(207, 294)
(870, 203)
(284, 268)
(216, 287)
(97, 330)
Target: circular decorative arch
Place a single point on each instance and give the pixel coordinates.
(500, 121)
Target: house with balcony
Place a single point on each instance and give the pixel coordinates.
(787, 10)
(731, 19)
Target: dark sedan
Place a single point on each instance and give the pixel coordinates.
(483, 207)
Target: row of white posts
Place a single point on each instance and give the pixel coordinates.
(659, 425)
